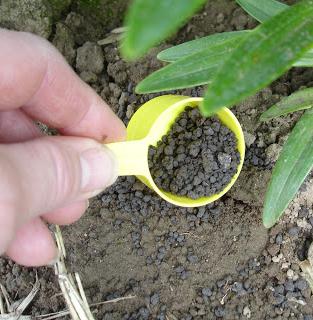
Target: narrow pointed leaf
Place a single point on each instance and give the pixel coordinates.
(262, 10)
(188, 48)
(149, 22)
(194, 70)
(299, 100)
(306, 60)
(293, 165)
(266, 9)
(206, 55)
(213, 43)
(262, 56)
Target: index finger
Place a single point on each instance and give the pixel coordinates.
(35, 77)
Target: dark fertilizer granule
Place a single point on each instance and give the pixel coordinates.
(198, 157)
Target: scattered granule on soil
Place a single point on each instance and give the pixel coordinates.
(198, 157)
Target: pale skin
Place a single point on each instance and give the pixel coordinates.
(47, 179)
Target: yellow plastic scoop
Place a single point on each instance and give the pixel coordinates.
(147, 126)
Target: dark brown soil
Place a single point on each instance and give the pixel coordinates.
(214, 262)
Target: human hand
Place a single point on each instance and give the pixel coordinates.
(47, 178)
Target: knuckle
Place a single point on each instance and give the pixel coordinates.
(65, 169)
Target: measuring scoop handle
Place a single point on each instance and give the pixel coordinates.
(132, 157)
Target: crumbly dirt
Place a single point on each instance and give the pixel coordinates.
(213, 262)
(196, 158)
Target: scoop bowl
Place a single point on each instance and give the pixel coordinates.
(148, 125)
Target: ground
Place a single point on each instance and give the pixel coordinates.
(214, 262)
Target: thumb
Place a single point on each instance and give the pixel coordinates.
(48, 173)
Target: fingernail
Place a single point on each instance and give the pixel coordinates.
(99, 169)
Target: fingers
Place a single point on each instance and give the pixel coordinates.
(50, 172)
(68, 214)
(9, 221)
(54, 171)
(15, 126)
(49, 90)
(33, 245)
(47, 173)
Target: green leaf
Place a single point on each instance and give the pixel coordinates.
(262, 10)
(196, 62)
(206, 55)
(149, 22)
(192, 65)
(306, 60)
(262, 56)
(266, 9)
(196, 69)
(293, 165)
(211, 42)
(299, 100)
